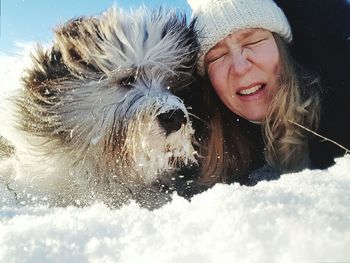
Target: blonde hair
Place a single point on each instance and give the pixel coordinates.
(228, 152)
(224, 149)
(298, 100)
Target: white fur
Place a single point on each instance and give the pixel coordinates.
(91, 108)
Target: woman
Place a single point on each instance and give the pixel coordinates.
(262, 94)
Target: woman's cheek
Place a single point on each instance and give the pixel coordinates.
(214, 75)
(215, 70)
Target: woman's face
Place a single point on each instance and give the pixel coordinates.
(243, 69)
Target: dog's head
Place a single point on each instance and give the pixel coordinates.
(105, 94)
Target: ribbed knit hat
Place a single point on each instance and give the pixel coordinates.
(217, 19)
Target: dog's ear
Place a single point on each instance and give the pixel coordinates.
(187, 42)
(66, 59)
(48, 67)
(78, 41)
(178, 23)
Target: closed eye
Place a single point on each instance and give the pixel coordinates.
(214, 57)
(255, 42)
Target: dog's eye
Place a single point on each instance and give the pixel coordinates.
(127, 82)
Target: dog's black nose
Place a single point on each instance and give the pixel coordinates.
(172, 120)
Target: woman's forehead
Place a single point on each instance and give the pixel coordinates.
(240, 35)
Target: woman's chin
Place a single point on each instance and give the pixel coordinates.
(254, 117)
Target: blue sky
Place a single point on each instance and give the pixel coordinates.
(33, 20)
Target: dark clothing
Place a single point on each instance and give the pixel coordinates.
(259, 169)
(321, 44)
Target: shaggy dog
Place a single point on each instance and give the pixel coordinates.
(99, 116)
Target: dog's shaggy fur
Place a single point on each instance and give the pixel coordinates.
(99, 117)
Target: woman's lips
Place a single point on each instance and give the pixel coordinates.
(251, 93)
(250, 90)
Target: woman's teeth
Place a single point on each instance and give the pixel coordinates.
(250, 90)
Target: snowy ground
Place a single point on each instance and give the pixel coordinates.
(303, 217)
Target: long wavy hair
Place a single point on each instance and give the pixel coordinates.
(228, 152)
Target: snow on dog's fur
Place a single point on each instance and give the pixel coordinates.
(98, 116)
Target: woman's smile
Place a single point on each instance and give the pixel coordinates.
(252, 92)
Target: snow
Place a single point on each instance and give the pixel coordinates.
(301, 217)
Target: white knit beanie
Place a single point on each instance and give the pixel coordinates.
(217, 19)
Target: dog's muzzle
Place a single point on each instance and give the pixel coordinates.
(172, 120)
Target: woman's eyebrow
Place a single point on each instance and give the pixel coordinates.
(242, 35)
(217, 46)
(247, 33)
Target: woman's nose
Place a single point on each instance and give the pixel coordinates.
(240, 63)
